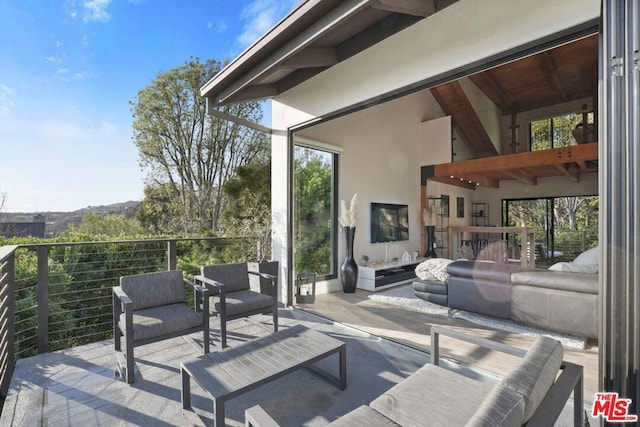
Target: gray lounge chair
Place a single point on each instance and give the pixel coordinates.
(232, 297)
(151, 307)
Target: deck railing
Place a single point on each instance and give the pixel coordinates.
(58, 295)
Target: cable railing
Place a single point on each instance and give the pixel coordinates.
(58, 295)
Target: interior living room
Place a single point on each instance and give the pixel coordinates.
(386, 150)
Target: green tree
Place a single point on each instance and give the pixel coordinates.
(186, 150)
(313, 208)
(108, 225)
(248, 212)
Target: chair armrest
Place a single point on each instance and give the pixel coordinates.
(121, 295)
(265, 276)
(482, 342)
(210, 283)
(197, 288)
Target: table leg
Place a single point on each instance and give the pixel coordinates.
(218, 412)
(186, 389)
(343, 368)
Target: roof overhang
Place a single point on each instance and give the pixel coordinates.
(314, 36)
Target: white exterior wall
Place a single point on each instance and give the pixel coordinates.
(383, 146)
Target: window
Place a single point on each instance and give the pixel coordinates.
(565, 226)
(557, 131)
(315, 211)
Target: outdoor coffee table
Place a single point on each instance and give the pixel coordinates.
(229, 373)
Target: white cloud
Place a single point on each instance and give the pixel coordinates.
(96, 10)
(259, 16)
(7, 103)
(58, 44)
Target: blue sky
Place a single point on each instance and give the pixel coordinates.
(68, 70)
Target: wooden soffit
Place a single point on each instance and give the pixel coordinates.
(570, 162)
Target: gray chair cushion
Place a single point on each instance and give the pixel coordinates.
(503, 407)
(418, 400)
(158, 321)
(154, 289)
(363, 416)
(235, 277)
(242, 302)
(533, 377)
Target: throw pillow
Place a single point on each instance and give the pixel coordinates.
(436, 267)
(588, 257)
(572, 267)
(423, 273)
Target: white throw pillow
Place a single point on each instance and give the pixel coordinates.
(588, 257)
(433, 269)
(572, 267)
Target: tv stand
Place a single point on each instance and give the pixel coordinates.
(378, 276)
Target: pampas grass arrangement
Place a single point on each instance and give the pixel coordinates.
(348, 217)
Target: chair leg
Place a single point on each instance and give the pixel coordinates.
(223, 331)
(129, 354)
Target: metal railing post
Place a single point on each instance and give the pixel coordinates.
(43, 298)
(171, 255)
(7, 287)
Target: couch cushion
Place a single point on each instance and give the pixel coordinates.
(589, 257)
(243, 301)
(427, 396)
(571, 267)
(561, 280)
(235, 277)
(434, 287)
(363, 416)
(158, 321)
(497, 272)
(154, 289)
(503, 407)
(533, 377)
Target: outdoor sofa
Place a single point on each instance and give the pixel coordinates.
(532, 393)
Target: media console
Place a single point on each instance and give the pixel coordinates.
(382, 276)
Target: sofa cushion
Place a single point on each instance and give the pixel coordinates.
(503, 407)
(533, 377)
(434, 287)
(571, 267)
(154, 289)
(497, 272)
(560, 280)
(240, 302)
(363, 416)
(158, 321)
(426, 397)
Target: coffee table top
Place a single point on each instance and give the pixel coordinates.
(233, 370)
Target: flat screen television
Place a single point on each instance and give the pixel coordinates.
(389, 222)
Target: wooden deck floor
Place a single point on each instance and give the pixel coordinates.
(412, 328)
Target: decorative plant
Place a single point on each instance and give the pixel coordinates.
(348, 217)
(429, 214)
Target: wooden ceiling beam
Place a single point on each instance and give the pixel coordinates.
(454, 102)
(493, 90)
(550, 70)
(455, 182)
(311, 57)
(525, 160)
(522, 176)
(422, 8)
(329, 22)
(572, 175)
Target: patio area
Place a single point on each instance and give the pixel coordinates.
(79, 386)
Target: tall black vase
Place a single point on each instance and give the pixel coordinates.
(349, 267)
(431, 242)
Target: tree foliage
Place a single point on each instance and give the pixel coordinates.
(313, 212)
(189, 155)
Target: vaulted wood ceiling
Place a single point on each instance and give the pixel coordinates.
(560, 75)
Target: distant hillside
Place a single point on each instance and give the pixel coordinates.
(57, 222)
